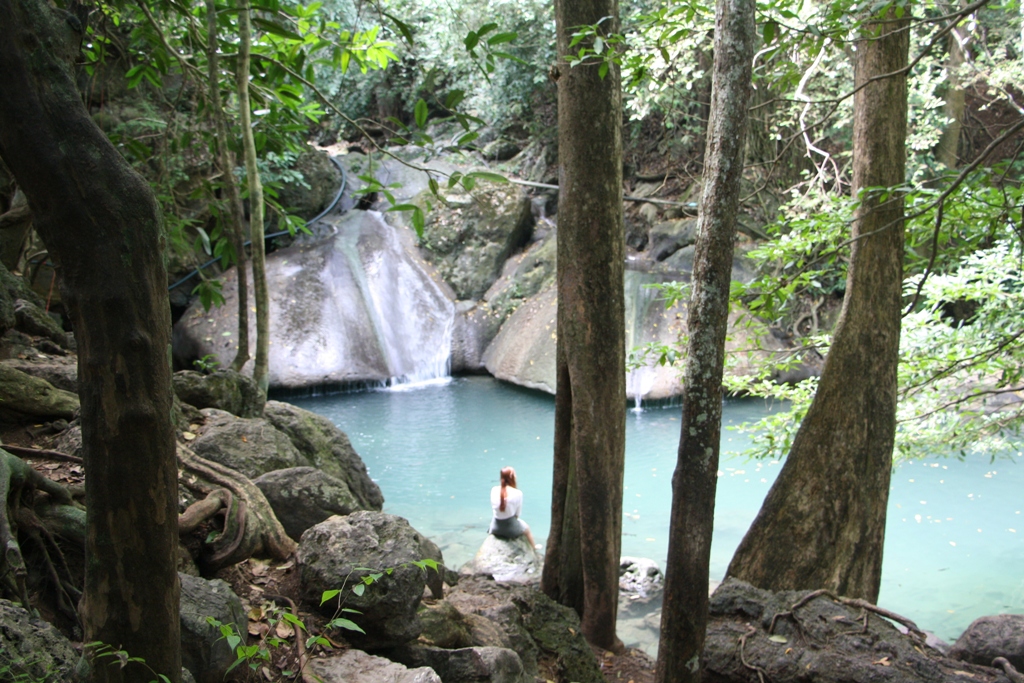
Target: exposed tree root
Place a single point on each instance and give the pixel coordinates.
(849, 602)
(300, 645)
(23, 452)
(1008, 669)
(250, 526)
(761, 673)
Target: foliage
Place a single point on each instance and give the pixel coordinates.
(101, 651)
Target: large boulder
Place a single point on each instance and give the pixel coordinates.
(31, 319)
(24, 397)
(327, 448)
(358, 306)
(305, 496)
(225, 390)
(320, 182)
(668, 237)
(465, 665)
(822, 640)
(60, 371)
(445, 626)
(33, 650)
(1001, 635)
(468, 237)
(355, 666)
(339, 552)
(204, 651)
(510, 560)
(523, 352)
(249, 446)
(534, 625)
(524, 275)
(476, 325)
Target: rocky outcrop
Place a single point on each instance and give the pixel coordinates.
(336, 553)
(33, 650)
(465, 665)
(358, 306)
(524, 350)
(303, 497)
(534, 626)
(61, 372)
(355, 666)
(320, 183)
(327, 448)
(640, 579)
(249, 446)
(24, 397)
(225, 390)
(469, 238)
(32, 319)
(508, 560)
(204, 651)
(1001, 635)
(821, 640)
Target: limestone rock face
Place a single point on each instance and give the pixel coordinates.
(1001, 635)
(332, 553)
(204, 651)
(508, 560)
(24, 397)
(327, 448)
(225, 390)
(469, 236)
(305, 496)
(524, 350)
(249, 446)
(33, 648)
(355, 666)
(358, 306)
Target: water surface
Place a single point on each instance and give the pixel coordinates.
(955, 534)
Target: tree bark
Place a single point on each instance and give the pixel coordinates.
(823, 522)
(956, 101)
(225, 159)
(259, 259)
(684, 613)
(102, 226)
(591, 390)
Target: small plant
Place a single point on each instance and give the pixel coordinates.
(98, 651)
(206, 364)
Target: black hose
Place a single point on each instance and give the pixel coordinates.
(330, 207)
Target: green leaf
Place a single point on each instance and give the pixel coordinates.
(341, 622)
(454, 98)
(420, 113)
(602, 70)
(486, 28)
(434, 188)
(768, 32)
(403, 27)
(472, 40)
(276, 29)
(467, 138)
(499, 38)
(418, 222)
(359, 589)
(233, 641)
(329, 595)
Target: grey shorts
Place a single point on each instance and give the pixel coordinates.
(513, 527)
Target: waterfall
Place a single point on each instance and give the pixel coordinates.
(408, 313)
(639, 298)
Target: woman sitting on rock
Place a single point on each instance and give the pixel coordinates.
(507, 502)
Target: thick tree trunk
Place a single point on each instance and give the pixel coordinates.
(102, 226)
(225, 159)
(591, 392)
(823, 522)
(955, 105)
(259, 261)
(684, 614)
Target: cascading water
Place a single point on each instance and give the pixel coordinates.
(411, 318)
(639, 298)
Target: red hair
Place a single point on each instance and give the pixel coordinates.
(508, 478)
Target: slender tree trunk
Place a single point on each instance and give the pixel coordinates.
(823, 522)
(591, 391)
(684, 614)
(259, 262)
(102, 226)
(225, 159)
(956, 102)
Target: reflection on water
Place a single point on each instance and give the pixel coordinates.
(955, 534)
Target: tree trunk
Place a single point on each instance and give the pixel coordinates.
(259, 262)
(591, 391)
(102, 226)
(225, 159)
(823, 522)
(684, 614)
(956, 101)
